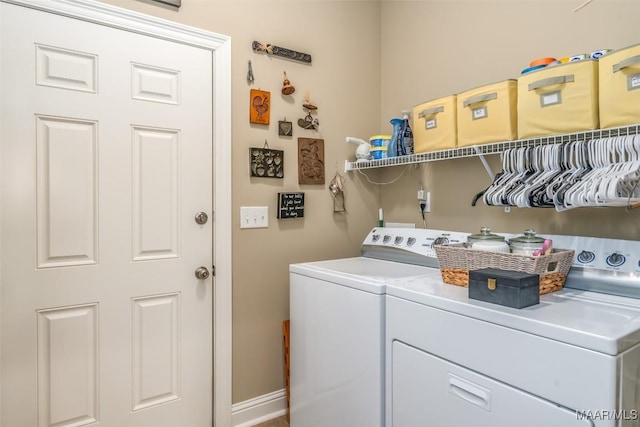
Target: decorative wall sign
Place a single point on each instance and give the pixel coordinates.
(266, 163)
(290, 205)
(259, 109)
(281, 51)
(285, 128)
(310, 161)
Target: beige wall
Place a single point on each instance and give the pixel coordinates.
(344, 81)
(438, 48)
(370, 60)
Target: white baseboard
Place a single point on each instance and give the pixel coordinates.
(259, 409)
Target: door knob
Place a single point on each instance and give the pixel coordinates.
(202, 273)
(201, 218)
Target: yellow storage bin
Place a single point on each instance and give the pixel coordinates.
(619, 73)
(488, 114)
(434, 125)
(558, 99)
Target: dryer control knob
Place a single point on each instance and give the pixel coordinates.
(616, 259)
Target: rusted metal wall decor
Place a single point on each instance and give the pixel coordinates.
(281, 51)
(310, 161)
(259, 106)
(266, 163)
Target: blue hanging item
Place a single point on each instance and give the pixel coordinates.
(406, 134)
(394, 149)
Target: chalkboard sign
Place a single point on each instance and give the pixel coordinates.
(290, 205)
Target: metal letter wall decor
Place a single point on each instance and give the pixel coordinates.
(281, 51)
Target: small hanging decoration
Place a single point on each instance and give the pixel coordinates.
(287, 87)
(281, 51)
(266, 163)
(310, 161)
(250, 77)
(309, 122)
(336, 188)
(259, 106)
(285, 128)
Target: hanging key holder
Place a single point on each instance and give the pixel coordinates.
(282, 52)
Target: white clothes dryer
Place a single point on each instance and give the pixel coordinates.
(572, 360)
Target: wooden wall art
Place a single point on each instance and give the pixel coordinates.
(281, 51)
(259, 106)
(310, 161)
(266, 163)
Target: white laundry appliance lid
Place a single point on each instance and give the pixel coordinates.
(604, 323)
(362, 273)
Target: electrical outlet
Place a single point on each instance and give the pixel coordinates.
(254, 217)
(426, 200)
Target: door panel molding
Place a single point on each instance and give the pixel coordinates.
(220, 47)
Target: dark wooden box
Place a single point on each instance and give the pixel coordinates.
(510, 288)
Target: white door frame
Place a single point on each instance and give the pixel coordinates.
(220, 46)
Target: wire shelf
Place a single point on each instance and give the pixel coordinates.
(492, 148)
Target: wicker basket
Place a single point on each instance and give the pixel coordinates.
(456, 260)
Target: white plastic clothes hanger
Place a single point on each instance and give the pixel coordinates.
(567, 166)
(617, 188)
(522, 170)
(580, 194)
(578, 164)
(492, 194)
(550, 167)
(533, 158)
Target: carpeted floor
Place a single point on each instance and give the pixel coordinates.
(276, 422)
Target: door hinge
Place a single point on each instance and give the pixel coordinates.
(213, 270)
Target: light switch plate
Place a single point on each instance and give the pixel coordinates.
(254, 217)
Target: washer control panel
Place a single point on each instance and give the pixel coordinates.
(417, 241)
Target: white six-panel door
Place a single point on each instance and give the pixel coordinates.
(106, 160)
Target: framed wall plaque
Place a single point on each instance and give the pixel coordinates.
(259, 106)
(310, 161)
(285, 128)
(266, 163)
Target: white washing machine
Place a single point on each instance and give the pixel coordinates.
(572, 360)
(337, 315)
